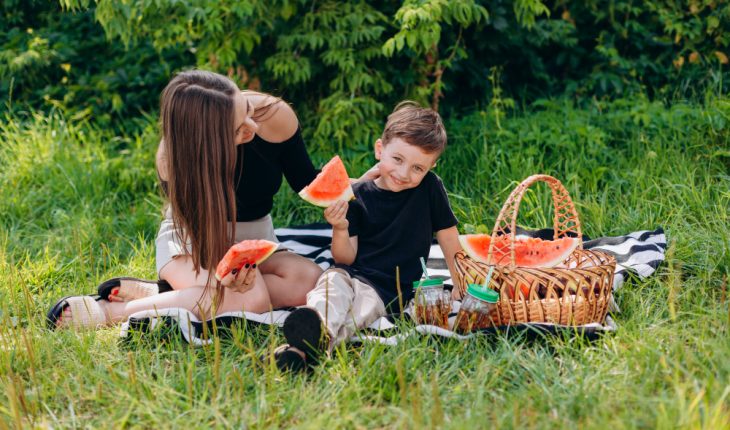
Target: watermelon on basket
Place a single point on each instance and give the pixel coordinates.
(330, 185)
(529, 252)
(576, 290)
(246, 252)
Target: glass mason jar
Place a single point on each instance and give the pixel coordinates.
(478, 304)
(431, 303)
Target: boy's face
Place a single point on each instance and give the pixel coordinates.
(402, 165)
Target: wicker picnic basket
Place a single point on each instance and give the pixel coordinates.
(577, 292)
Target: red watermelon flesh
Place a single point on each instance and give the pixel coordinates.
(246, 252)
(529, 252)
(330, 185)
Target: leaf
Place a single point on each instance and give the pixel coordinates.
(389, 47)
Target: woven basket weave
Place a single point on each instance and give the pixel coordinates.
(575, 293)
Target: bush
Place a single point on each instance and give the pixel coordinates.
(345, 64)
(62, 60)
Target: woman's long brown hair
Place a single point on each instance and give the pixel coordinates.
(197, 116)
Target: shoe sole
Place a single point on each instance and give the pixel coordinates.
(303, 330)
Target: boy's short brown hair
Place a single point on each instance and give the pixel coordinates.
(417, 126)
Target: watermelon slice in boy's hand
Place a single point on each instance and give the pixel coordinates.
(246, 252)
(330, 185)
(529, 252)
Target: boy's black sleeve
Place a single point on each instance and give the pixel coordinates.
(354, 217)
(441, 214)
(295, 162)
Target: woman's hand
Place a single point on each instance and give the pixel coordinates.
(336, 215)
(372, 174)
(240, 280)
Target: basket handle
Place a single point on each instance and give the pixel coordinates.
(565, 219)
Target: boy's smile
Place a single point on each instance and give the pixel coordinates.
(402, 165)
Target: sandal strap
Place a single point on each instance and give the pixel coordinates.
(86, 312)
(132, 289)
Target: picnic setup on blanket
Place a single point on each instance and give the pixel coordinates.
(573, 297)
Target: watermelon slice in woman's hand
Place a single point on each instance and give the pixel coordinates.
(330, 185)
(246, 252)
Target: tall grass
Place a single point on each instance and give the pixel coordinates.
(79, 204)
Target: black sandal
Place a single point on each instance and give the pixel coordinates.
(85, 312)
(288, 360)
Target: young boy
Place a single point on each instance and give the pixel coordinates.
(385, 230)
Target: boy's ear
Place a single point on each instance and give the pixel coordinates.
(378, 148)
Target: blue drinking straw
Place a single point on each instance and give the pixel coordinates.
(425, 271)
(489, 277)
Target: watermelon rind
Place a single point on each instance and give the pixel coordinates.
(335, 175)
(468, 242)
(227, 263)
(346, 195)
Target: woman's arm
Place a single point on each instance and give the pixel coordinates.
(276, 125)
(279, 125)
(448, 240)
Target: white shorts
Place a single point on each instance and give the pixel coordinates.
(169, 246)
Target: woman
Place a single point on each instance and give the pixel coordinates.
(220, 162)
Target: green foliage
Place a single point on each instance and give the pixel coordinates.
(527, 11)
(420, 23)
(420, 30)
(605, 48)
(52, 59)
(337, 42)
(345, 64)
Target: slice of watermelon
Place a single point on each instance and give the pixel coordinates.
(246, 252)
(332, 184)
(529, 252)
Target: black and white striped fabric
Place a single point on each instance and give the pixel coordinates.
(639, 253)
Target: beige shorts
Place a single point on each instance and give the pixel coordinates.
(169, 246)
(345, 304)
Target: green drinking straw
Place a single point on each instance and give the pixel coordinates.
(425, 271)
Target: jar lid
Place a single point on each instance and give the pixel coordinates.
(483, 293)
(428, 283)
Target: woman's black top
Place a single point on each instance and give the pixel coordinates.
(259, 169)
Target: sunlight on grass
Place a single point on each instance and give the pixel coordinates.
(79, 205)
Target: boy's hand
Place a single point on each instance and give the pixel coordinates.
(336, 214)
(240, 280)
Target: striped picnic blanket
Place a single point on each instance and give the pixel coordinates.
(638, 253)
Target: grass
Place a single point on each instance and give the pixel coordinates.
(79, 205)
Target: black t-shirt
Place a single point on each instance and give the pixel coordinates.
(259, 167)
(396, 229)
